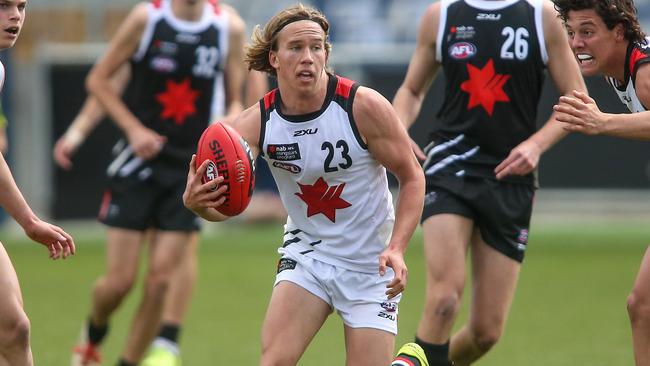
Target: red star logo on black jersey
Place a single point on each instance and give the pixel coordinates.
(322, 198)
(178, 101)
(485, 87)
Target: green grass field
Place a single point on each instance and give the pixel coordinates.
(569, 308)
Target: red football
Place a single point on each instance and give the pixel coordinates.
(231, 158)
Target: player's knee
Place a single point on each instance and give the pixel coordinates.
(157, 282)
(638, 308)
(444, 304)
(274, 358)
(486, 337)
(15, 330)
(119, 287)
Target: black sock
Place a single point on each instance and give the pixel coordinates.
(96, 334)
(121, 362)
(170, 332)
(437, 354)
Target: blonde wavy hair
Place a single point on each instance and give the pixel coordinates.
(264, 40)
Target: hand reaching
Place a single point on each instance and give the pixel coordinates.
(580, 113)
(58, 243)
(521, 160)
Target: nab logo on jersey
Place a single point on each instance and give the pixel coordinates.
(462, 50)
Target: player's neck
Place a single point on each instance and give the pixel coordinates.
(297, 102)
(188, 11)
(618, 65)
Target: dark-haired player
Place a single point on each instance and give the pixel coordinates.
(606, 38)
(481, 161)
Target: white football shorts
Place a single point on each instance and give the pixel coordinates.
(359, 298)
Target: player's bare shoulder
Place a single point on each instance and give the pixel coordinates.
(429, 23)
(236, 22)
(135, 22)
(372, 112)
(553, 28)
(140, 12)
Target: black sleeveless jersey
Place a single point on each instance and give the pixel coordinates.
(177, 84)
(493, 56)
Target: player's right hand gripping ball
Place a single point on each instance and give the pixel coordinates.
(230, 157)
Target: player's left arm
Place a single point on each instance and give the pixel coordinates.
(565, 72)
(234, 72)
(581, 114)
(389, 144)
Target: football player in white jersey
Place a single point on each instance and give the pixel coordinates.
(607, 39)
(344, 252)
(14, 324)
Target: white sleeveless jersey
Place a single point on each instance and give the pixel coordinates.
(637, 54)
(336, 194)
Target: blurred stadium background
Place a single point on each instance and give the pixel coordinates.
(590, 224)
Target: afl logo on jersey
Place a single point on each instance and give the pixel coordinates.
(163, 64)
(462, 50)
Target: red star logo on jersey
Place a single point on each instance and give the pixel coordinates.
(322, 198)
(178, 101)
(485, 87)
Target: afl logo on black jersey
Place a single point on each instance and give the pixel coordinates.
(462, 50)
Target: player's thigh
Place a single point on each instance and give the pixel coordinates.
(123, 254)
(11, 301)
(368, 346)
(293, 318)
(446, 239)
(494, 282)
(167, 250)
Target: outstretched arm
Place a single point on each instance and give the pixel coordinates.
(566, 75)
(58, 242)
(580, 113)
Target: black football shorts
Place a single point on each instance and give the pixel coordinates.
(148, 204)
(500, 210)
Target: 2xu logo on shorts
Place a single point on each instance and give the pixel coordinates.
(286, 263)
(390, 308)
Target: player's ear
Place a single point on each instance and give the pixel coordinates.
(273, 59)
(619, 32)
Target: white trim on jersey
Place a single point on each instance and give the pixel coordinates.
(119, 161)
(490, 4)
(450, 160)
(538, 5)
(154, 16)
(222, 23)
(442, 23)
(185, 25)
(218, 107)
